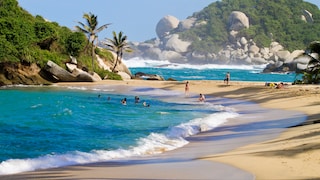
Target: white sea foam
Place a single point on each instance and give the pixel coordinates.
(36, 106)
(155, 143)
(138, 62)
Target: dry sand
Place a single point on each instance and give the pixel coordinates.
(294, 154)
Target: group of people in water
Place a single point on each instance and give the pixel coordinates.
(136, 101)
(124, 101)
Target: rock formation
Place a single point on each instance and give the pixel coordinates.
(165, 25)
(21, 73)
(76, 75)
(239, 50)
(237, 21)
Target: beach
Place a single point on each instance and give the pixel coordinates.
(270, 153)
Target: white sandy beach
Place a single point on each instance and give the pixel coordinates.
(248, 147)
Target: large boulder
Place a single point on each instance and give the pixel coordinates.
(283, 55)
(176, 44)
(186, 24)
(141, 75)
(275, 47)
(165, 25)
(302, 60)
(307, 16)
(62, 75)
(238, 21)
(295, 54)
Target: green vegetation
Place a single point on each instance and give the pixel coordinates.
(311, 75)
(91, 29)
(25, 38)
(117, 45)
(278, 20)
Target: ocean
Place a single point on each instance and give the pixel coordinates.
(45, 127)
(182, 72)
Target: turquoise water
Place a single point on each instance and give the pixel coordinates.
(43, 127)
(182, 72)
(218, 74)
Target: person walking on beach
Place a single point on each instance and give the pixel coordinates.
(227, 78)
(186, 89)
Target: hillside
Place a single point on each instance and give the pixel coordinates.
(33, 39)
(276, 20)
(28, 43)
(236, 32)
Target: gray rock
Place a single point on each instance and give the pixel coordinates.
(307, 16)
(238, 21)
(165, 25)
(141, 75)
(124, 75)
(302, 66)
(186, 24)
(176, 44)
(63, 75)
(302, 60)
(283, 55)
(254, 49)
(173, 56)
(275, 47)
(243, 41)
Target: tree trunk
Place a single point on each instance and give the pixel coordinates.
(116, 63)
(92, 56)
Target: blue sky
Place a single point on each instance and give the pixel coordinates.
(135, 18)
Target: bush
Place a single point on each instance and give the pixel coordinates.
(75, 43)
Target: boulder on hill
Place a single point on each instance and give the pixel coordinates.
(238, 21)
(63, 75)
(165, 25)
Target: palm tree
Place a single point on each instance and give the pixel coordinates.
(117, 45)
(91, 29)
(311, 73)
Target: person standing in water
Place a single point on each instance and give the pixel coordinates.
(124, 101)
(202, 98)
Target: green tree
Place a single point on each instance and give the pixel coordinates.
(91, 29)
(75, 43)
(46, 34)
(117, 45)
(311, 73)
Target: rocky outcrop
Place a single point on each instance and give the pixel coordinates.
(165, 25)
(76, 75)
(175, 44)
(238, 21)
(186, 24)
(238, 49)
(306, 16)
(31, 74)
(121, 68)
(21, 73)
(141, 75)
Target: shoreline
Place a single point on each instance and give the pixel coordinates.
(304, 99)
